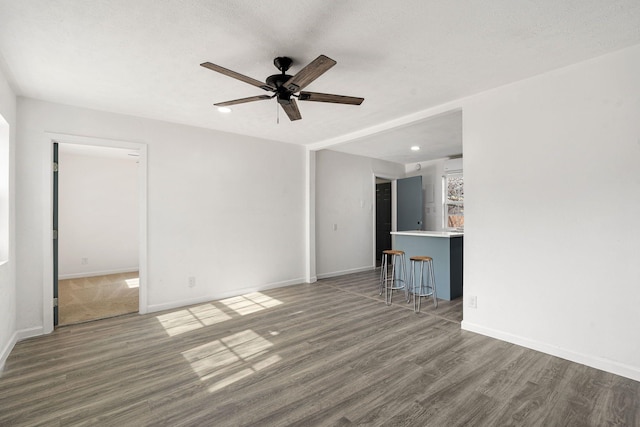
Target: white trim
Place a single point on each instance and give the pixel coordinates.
(310, 216)
(218, 296)
(23, 334)
(375, 218)
(142, 232)
(97, 273)
(345, 272)
(47, 236)
(7, 350)
(47, 218)
(584, 359)
(19, 335)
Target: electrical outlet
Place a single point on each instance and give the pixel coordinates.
(84, 261)
(472, 301)
(192, 281)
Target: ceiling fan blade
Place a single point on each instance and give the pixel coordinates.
(312, 71)
(237, 76)
(326, 97)
(291, 108)
(243, 100)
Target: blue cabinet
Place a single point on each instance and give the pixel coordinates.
(446, 249)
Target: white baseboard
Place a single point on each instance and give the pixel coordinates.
(628, 371)
(97, 273)
(228, 294)
(18, 336)
(345, 272)
(36, 331)
(7, 350)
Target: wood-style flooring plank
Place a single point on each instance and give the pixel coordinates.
(330, 354)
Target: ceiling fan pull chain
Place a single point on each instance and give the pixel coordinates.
(277, 114)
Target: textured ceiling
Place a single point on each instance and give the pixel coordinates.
(437, 137)
(142, 57)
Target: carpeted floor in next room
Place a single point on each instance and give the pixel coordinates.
(98, 297)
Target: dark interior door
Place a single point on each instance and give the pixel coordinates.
(383, 218)
(55, 233)
(410, 209)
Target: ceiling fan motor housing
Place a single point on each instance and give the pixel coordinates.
(278, 81)
(282, 63)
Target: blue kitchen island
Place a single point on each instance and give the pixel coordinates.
(445, 247)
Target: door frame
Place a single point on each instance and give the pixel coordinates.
(55, 227)
(394, 211)
(47, 218)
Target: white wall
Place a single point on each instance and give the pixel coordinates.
(345, 188)
(552, 232)
(7, 185)
(212, 199)
(98, 214)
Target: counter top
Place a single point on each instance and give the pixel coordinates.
(421, 233)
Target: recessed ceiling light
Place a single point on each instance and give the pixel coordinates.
(415, 148)
(224, 109)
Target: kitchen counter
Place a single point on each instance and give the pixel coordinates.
(445, 247)
(428, 233)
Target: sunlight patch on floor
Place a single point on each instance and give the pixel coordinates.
(133, 283)
(231, 358)
(190, 319)
(250, 303)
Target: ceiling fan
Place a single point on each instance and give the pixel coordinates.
(287, 88)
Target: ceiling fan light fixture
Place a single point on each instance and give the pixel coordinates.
(224, 110)
(286, 87)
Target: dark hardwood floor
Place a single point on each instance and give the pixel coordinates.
(330, 353)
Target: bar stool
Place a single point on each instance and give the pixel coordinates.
(427, 287)
(398, 278)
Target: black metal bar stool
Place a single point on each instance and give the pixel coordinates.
(427, 284)
(398, 277)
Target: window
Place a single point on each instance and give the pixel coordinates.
(453, 193)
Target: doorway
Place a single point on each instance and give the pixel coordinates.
(383, 217)
(96, 218)
(97, 232)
